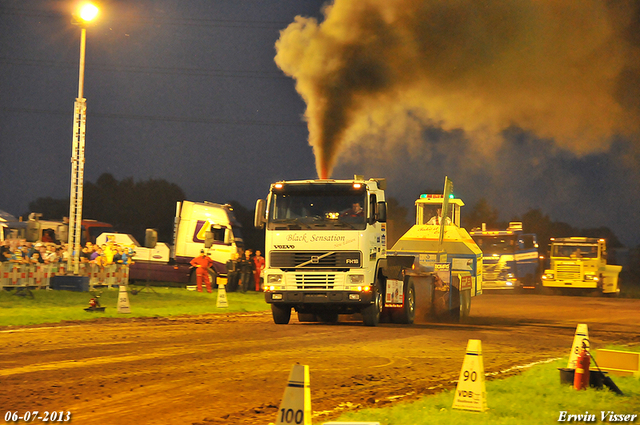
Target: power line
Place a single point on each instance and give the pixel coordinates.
(160, 118)
(199, 72)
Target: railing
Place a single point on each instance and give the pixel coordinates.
(38, 276)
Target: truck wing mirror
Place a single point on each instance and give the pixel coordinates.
(259, 218)
(381, 214)
(150, 238)
(208, 239)
(227, 236)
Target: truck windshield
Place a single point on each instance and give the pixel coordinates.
(496, 244)
(318, 207)
(575, 251)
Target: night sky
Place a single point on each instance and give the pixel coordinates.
(527, 104)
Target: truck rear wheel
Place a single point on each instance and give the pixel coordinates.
(371, 313)
(281, 315)
(407, 313)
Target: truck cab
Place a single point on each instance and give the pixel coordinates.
(324, 245)
(197, 225)
(511, 259)
(580, 263)
(38, 230)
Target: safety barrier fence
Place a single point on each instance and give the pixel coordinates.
(38, 276)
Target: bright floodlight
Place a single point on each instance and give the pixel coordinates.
(88, 12)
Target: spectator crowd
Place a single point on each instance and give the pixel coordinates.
(22, 252)
(244, 269)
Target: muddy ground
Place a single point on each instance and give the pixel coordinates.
(232, 369)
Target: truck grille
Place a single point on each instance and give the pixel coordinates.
(315, 281)
(314, 259)
(569, 271)
(491, 270)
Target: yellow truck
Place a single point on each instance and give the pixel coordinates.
(580, 263)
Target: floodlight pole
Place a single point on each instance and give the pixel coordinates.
(77, 168)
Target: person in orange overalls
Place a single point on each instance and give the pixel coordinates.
(202, 264)
(258, 259)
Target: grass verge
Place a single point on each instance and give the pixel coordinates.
(534, 397)
(56, 306)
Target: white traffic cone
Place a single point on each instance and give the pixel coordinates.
(471, 393)
(222, 297)
(123, 300)
(582, 334)
(296, 402)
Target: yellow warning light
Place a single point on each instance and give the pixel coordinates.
(357, 185)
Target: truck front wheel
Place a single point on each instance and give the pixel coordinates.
(371, 313)
(281, 314)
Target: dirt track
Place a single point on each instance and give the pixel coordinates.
(232, 369)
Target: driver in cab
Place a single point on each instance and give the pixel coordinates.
(355, 211)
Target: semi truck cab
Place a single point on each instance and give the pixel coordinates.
(511, 258)
(580, 263)
(325, 243)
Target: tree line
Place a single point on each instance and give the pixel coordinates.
(535, 221)
(132, 207)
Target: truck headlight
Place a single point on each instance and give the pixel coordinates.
(547, 276)
(356, 279)
(590, 277)
(274, 278)
(276, 296)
